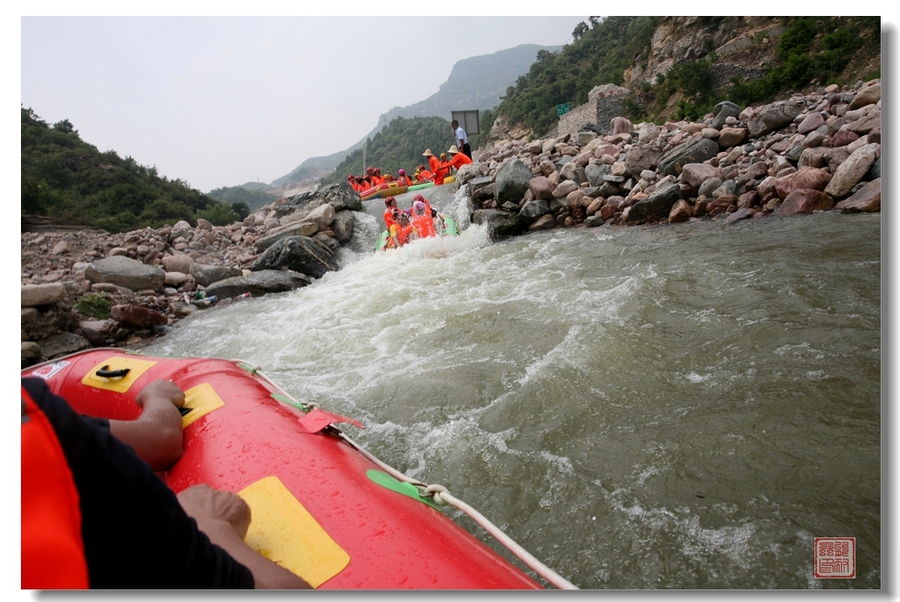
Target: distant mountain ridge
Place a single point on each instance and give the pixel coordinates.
(475, 83)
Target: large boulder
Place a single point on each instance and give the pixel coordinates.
(36, 295)
(299, 228)
(499, 223)
(205, 275)
(867, 198)
(774, 117)
(866, 96)
(126, 272)
(595, 173)
(722, 111)
(657, 205)
(852, 170)
(342, 226)
(697, 150)
(805, 200)
(299, 254)
(808, 177)
(258, 284)
(533, 210)
(512, 182)
(341, 196)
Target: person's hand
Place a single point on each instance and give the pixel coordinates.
(203, 504)
(160, 390)
(224, 517)
(156, 435)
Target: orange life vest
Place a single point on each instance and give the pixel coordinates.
(52, 547)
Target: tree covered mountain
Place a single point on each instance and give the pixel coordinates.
(678, 67)
(475, 83)
(398, 146)
(68, 179)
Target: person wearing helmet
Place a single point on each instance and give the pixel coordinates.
(390, 212)
(402, 179)
(400, 231)
(422, 220)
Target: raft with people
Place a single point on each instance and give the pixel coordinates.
(418, 221)
(321, 505)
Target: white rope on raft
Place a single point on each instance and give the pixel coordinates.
(442, 497)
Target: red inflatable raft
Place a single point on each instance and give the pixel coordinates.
(321, 507)
(382, 191)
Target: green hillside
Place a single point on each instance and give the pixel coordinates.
(810, 51)
(68, 179)
(399, 145)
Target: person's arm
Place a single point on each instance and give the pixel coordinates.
(224, 517)
(156, 436)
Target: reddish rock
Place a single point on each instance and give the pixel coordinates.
(813, 121)
(595, 206)
(694, 174)
(811, 178)
(805, 200)
(681, 212)
(867, 198)
(565, 188)
(729, 137)
(138, 316)
(545, 222)
(843, 138)
(541, 188)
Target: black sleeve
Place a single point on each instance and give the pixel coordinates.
(136, 535)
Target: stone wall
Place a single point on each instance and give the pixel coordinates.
(604, 103)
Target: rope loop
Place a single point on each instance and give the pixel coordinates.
(434, 492)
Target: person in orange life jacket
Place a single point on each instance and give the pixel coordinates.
(377, 178)
(402, 179)
(400, 231)
(457, 159)
(361, 184)
(423, 175)
(371, 180)
(95, 515)
(390, 212)
(423, 223)
(435, 166)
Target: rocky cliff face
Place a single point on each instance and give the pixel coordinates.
(742, 46)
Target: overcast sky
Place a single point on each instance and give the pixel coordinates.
(220, 101)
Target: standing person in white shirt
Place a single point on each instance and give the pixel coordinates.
(462, 141)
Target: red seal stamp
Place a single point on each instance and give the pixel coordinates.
(835, 558)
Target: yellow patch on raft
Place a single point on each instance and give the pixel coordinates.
(120, 384)
(283, 531)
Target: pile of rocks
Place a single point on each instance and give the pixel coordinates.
(816, 152)
(82, 289)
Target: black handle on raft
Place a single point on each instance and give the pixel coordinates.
(105, 372)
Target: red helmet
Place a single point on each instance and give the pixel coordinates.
(389, 200)
(418, 197)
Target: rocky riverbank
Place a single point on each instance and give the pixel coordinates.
(815, 152)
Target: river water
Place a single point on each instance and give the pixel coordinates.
(680, 406)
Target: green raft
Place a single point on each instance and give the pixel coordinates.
(451, 228)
